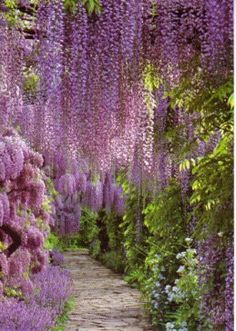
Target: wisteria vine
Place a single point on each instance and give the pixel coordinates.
(94, 90)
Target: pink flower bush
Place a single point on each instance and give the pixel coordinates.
(23, 222)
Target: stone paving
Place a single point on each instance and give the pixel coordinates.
(103, 300)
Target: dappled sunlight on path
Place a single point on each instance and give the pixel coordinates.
(103, 300)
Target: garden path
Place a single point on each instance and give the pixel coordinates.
(103, 300)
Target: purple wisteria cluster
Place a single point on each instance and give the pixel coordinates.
(229, 288)
(181, 35)
(91, 99)
(24, 223)
(217, 304)
(90, 95)
(77, 188)
(32, 293)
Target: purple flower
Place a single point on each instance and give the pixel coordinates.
(57, 258)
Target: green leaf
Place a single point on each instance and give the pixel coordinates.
(231, 101)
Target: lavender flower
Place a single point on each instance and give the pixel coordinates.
(57, 258)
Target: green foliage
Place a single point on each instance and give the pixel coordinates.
(150, 78)
(134, 232)
(14, 16)
(92, 6)
(50, 188)
(51, 242)
(211, 174)
(113, 260)
(62, 243)
(70, 242)
(95, 248)
(86, 237)
(231, 101)
(186, 292)
(88, 232)
(187, 164)
(11, 16)
(164, 217)
(212, 183)
(166, 222)
(64, 316)
(12, 292)
(46, 205)
(113, 255)
(2, 246)
(30, 82)
(70, 5)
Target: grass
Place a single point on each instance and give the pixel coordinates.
(64, 316)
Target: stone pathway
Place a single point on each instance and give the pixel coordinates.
(103, 300)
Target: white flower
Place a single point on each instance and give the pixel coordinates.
(161, 277)
(188, 240)
(170, 326)
(170, 297)
(167, 288)
(194, 251)
(181, 269)
(220, 234)
(180, 255)
(174, 289)
(155, 305)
